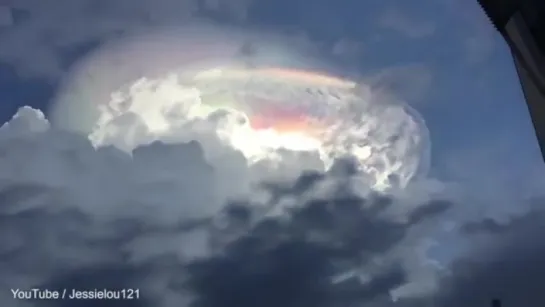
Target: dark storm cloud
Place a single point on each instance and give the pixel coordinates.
(290, 260)
(297, 261)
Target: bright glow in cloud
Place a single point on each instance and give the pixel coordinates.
(259, 105)
(386, 140)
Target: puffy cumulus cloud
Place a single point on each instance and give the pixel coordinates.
(73, 206)
(78, 216)
(27, 133)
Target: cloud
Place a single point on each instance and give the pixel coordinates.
(172, 221)
(108, 98)
(411, 82)
(479, 46)
(42, 37)
(73, 27)
(480, 39)
(158, 220)
(500, 191)
(396, 20)
(347, 50)
(6, 19)
(183, 225)
(75, 207)
(36, 44)
(507, 266)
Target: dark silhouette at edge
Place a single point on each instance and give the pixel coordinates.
(522, 25)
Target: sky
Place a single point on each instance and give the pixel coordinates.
(442, 58)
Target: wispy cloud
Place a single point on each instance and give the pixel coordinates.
(398, 21)
(5, 17)
(480, 46)
(410, 82)
(34, 45)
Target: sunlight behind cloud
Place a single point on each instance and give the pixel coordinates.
(258, 105)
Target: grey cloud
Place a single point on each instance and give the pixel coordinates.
(487, 225)
(288, 260)
(297, 260)
(509, 267)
